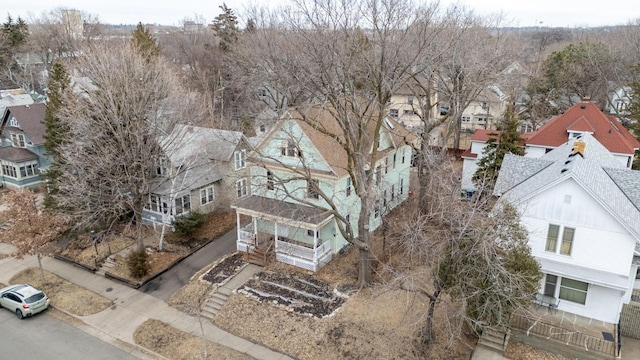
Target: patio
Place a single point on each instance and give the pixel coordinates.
(580, 332)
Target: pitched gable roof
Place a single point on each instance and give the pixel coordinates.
(214, 144)
(585, 117)
(596, 171)
(30, 118)
(326, 135)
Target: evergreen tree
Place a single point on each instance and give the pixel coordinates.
(13, 35)
(507, 140)
(54, 137)
(16, 31)
(145, 43)
(225, 26)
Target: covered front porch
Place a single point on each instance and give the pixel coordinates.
(300, 235)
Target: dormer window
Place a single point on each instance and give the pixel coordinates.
(18, 140)
(290, 149)
(161, 169)
(574, 134)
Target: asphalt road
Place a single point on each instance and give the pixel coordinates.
(44, 336)
(166, 284)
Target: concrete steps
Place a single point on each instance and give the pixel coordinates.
(215, 302)
(109, 263)
(495, 340)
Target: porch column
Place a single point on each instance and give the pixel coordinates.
(275, 229)
(315, 239)
(255, 227)
(237, 225)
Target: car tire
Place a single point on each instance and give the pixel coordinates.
(19, 314)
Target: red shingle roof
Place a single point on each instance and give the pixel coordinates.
(483, 135)
(585, 116)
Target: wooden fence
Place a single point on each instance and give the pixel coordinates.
(630, 320)
(568, 337)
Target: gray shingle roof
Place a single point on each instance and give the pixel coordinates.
(187, 140)
(597, 171)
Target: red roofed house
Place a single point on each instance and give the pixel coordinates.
(582, 118)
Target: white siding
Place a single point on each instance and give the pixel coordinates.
(477, 147)
(534, 151)
(469, 167)
(600, 242)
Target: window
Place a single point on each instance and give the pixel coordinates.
(290, 149)
(312, 188)
(552, 237)
(408, 112)
(403, 155)
(153, 203)
(161, 169)
(566, 245)
(550, 282)
(393, 190)
(241, 188)
(485, 105)
(394, 161)
(311, 233)
(9, 170)
(29, 170)
(17, 140)
(384, 199)
(410, 99)
(401, 186)
(393, 113)
(376, 210)
(378, 174)
(567, 241)
(270, 185)
(262, 92)
(466, 118)
(263, 129)
(386, 165)
(481, 120)
(206, 195)
(183, 204)
(573, 290)
(240, 158)
(348, 189)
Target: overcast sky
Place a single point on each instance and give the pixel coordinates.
(571, 13)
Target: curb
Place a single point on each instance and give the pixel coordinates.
(116, 342)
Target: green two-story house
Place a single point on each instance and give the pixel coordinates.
(289, 214)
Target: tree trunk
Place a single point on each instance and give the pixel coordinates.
(139, 237)
(364, 267)
(428, 336)
(41, 268)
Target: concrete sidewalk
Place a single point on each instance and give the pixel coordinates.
(131, 307)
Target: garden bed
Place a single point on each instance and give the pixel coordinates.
(225, 269)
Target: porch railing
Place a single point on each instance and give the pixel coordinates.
(302, 251)
(565, 336)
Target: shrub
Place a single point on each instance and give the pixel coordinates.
(138, 263)
(188, 224)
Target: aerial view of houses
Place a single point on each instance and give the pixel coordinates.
(319, 180)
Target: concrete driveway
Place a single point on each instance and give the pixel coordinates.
(163, 286)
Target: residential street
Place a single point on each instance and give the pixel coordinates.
(47, 337)
(166, 284)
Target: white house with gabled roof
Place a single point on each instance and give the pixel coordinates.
(581, 207)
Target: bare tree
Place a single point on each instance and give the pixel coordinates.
(472, 263)
(33, 228)
(123, 104)
(347, 58)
